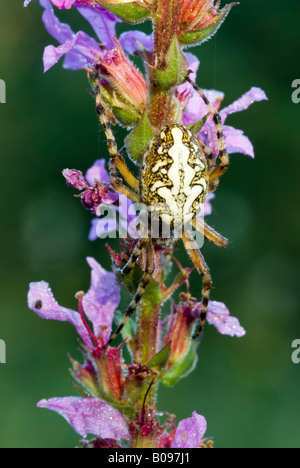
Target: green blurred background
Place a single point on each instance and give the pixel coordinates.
(247, 389)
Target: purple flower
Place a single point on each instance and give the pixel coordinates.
(190, 432)
(63, 3)
(195, 109)
(79, 49)
(99, 304)
(135, 41)
(219, 316)
(89, 416)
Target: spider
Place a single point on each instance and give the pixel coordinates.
(177, 173)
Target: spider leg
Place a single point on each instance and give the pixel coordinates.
(223, 155)
(213, 185)
(210, 233)
(140, 246)
(209, 155)
(116, 159)
(199, 262)
(137, 298)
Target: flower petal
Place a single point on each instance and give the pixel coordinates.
(102, 299)
(80, 51)
(97, 172)
(135, 41)
(43, 303)
(190, 432)
(89, 416)
(63, 3)
(254, 95)
(219, 316)
(102, 21)
(60, 31)
(235, 140)
(196, 109)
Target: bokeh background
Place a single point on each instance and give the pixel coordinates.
(247, 389)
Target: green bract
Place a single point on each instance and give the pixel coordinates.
(183, 368)
(138, 140)
(128, 12)
(175, 69)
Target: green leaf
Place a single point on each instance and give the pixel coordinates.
(138, 140)
(129, 329)
(128, 12)
(127, 117)
(182, 369)
(132, 280)
(197, 37)
(160, 361)
(195, 127)
(147, 322)
(175, 70)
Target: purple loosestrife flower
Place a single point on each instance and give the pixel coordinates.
(190, 432)
(80, 50)
(99, 305)
(89, 416)
(195, 110)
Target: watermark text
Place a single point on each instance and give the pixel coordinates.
(2, 352)
(2, 92)
(296, 93)
(296, 353)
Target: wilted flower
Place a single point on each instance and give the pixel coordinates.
(96, 186)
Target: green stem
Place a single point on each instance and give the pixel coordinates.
(147, 324)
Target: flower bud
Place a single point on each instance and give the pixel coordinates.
(111, 373)
(200, 19)
(128, 86)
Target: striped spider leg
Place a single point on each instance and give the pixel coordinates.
(214, 173)
(223, 155)
(143, 245)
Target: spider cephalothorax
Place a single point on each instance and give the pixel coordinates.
(177, 173)
(174, 180)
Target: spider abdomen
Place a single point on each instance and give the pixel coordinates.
(174, 181)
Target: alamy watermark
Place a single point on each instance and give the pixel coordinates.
(296, 93)
(2, 92)
(137, 221)
(296, 353)
(2, 352)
